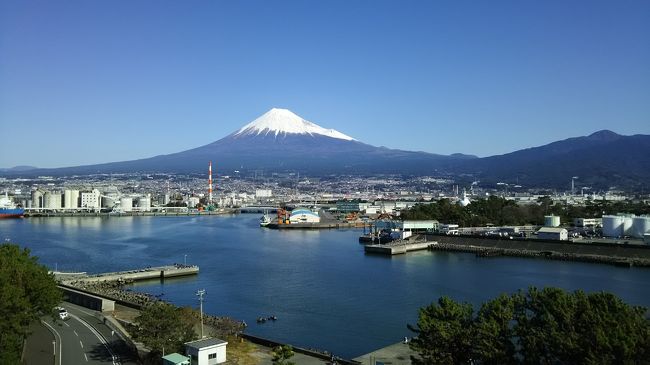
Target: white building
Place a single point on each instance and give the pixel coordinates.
(553, 233)
(91, 199)
(263, 193)
(588, 222)
(208, 351)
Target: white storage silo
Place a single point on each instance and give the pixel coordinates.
(640, 226)
(108, 202)
(551, 221)
(126, 204)
(37, 198)
(628, 220)
(71, 199)
(144, 203)
(613, 225)
(52, 200)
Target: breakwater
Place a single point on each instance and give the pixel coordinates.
(620, 255)
(160, 272)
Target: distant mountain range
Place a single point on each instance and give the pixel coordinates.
(280, 140)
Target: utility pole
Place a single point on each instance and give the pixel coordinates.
(200, 293)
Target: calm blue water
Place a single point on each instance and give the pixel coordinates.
(325, 291)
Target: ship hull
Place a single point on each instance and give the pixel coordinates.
(11, 213)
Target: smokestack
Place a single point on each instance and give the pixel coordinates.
(210, 183)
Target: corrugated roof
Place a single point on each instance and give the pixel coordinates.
(206, 342)
(175, 358)
(551, 230)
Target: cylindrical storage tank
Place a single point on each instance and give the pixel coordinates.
(126, 204)
(108, 202)
(640, 226)
(37, 199)
(144, 203)
(612, 225)
(627, 225)
(71, 199)
(551, 221)
(52, 200)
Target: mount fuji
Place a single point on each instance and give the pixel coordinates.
(279, 140)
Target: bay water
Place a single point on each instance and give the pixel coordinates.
(326, 292)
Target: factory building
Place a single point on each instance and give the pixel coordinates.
(553, 233)
(588, 222)
(91, 199)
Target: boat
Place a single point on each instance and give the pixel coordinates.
(265, 220)
(8, 209)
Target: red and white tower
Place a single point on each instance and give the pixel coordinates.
(210, 183)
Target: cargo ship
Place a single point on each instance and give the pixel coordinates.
(8, 209)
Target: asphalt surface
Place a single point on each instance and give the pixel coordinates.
(81, 339)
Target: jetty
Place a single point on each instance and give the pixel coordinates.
(399, 247)
(160, 272)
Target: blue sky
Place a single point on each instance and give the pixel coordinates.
(85, 82)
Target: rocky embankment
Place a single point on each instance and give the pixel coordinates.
(118, 291)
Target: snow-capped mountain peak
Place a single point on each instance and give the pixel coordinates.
(283, 121)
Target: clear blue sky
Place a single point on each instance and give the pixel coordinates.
(99, 81)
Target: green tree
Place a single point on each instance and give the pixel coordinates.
(163, 326)
(548, 326)
(282, 354)
(444, 333)
(27, 291)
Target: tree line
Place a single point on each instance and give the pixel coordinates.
(499, 211)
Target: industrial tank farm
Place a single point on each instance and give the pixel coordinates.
(625, 225)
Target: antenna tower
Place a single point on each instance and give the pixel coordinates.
(210, 183)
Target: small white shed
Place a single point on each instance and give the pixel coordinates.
(208, 351)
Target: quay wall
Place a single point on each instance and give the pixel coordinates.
(617, 254)
(313, 353)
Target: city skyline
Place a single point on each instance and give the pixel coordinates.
(101, 82)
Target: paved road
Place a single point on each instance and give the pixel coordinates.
(82, 339)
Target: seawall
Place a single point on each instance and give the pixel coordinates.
(615, 254)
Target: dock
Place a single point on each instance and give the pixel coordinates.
(321, 225)
(160, 272)
(398, 247)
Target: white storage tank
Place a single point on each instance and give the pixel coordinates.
(108, 202)
(640, 226)
(71, 199)
(628, 220)
(551, 221)
(144, 203)
(52, 200)
(126, 204)
(613, 225)
(37, 199)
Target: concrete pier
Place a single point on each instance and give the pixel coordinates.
(160, 272)
(398, 247)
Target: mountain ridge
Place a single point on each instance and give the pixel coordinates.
(279, 140)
